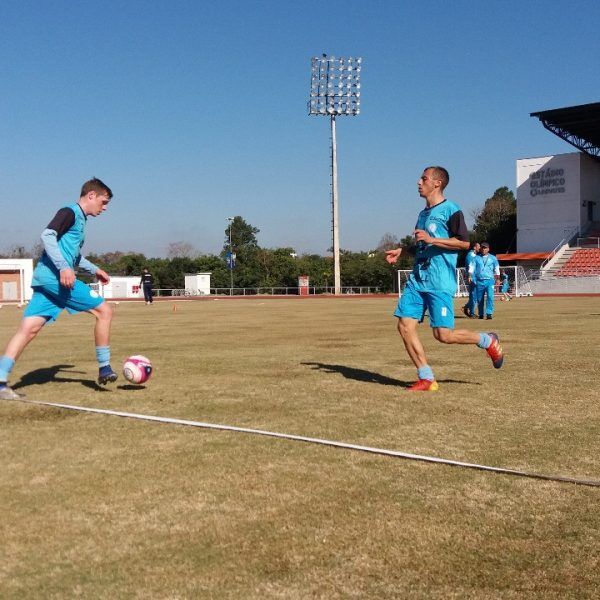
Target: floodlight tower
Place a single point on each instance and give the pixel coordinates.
(335, 91)
(231, 257)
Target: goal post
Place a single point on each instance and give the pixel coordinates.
(518, 284)
(13, 284)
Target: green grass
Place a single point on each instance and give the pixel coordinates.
(95, 506)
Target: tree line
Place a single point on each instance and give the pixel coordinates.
(256, 267)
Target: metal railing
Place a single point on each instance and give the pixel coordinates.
(553, 254)
(588, 242)
(269, 291)
(293, 291)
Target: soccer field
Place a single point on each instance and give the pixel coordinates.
(98, 506)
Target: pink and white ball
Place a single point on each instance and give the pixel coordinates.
(137, 369)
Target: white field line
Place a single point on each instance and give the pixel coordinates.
(301, 438)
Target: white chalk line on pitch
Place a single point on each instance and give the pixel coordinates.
(322, 442)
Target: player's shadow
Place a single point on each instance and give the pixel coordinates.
(51, 374)
(357, 374)
(368, 376)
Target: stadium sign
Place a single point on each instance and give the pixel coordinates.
(547, 181)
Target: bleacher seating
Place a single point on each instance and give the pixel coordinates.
(583, 262)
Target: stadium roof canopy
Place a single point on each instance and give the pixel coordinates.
(578, 125)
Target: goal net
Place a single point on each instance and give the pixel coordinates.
(518, 284)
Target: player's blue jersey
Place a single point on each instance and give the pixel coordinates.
(485, 267)
(435, 267)
(505, 283)
(69, 244)
(470, 259)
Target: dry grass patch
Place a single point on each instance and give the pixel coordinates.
(101, 507)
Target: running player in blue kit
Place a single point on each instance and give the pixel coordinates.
(56, 288)
(440, 234)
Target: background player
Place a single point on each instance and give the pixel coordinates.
(56, 288)
(469, 307)
(440, 233)
(485, 272)
(147, 281)
(504, 286)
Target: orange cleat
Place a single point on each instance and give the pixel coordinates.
(424, 385)
(495, 351)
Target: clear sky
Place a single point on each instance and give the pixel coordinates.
(194, 111)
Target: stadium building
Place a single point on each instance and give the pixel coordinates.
(558, 205)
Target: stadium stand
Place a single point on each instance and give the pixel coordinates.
(583, 262)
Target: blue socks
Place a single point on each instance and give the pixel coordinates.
(425, 373)
(6, 366)
(485, 341)
(103, 355)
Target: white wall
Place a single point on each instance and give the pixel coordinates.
(26, 264)
(548, 200)
(198, 284)
(122, 287)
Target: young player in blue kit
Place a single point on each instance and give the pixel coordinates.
(440, 234)
(504, 286)
(56, 288)
(469, 307)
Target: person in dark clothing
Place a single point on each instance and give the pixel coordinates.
(146, 282)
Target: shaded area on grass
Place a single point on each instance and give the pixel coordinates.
(50, 374)
(371, 376)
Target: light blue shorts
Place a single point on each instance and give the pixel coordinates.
(414, 304)
(50, 300)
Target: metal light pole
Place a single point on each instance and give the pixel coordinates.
(335, 91)
(230, 219)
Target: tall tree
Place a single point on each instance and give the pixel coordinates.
(245, 247)
(243, 236)
(181, 250)
(388, 241)
(496, 222)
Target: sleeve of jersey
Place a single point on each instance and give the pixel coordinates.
(497, 269)
(87, 265)
(61, 223)
(458, 227)
(50, 241)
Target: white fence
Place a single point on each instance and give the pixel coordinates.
(272, 291)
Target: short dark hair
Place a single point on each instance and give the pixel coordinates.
(441, 174)
(473, 244)
(95, 185)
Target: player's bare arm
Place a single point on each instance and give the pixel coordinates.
(393, 255)
(449, 243)
(102, 276)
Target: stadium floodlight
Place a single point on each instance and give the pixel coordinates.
(334, 92)
(231, 256)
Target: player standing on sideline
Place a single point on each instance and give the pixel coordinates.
(56, 288)
(440, 234)
(147, 281)
(485, 272)
(469, 307)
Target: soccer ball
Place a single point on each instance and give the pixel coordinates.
(137, 369)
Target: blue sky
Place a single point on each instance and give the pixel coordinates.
(194, 111)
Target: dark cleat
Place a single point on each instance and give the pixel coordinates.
(106, 375)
